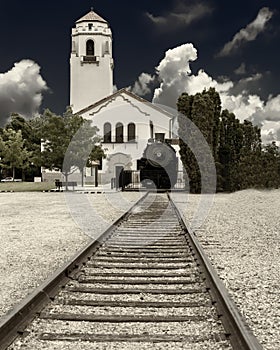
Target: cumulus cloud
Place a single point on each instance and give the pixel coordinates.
(21, 90)
(265, 114)
(175, 76)
(242, 105)
(269, 112)
(270, 131)
(142, 86)
(181, 15)
(268, 135)
(173, 71)
(249, 33)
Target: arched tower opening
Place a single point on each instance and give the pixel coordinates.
(90, 48)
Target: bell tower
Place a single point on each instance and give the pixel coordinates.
(91, 61)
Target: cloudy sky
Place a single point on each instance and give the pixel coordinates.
(161, 48)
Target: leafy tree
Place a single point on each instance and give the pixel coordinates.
(68, 142)
(13, 151)
(55, 141)
(19, 123)
(36, 126)
(83, 149)
(32, 140)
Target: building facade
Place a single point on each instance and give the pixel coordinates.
(91, 61)
(125, 121)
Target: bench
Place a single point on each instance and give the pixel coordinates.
(60, 184)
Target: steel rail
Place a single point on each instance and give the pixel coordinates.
(13, 324)
(237, 330)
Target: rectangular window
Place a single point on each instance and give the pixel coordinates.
(159, 136)
(90, 26)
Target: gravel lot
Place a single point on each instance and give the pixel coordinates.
(38, 235)
(241, 237)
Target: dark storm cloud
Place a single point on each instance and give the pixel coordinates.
(241, 70)
(249, 33)
(250, 84)
(21, 90)
(182, 15)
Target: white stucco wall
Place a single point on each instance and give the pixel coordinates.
(90, 82)
(124, 108)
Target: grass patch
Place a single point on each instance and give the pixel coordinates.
(26, 186)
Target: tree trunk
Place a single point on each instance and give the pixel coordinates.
(14, 173)
(66, 181)
(82, 172)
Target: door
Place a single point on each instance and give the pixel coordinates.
(119, 169)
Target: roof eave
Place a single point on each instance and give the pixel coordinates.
(124, 90)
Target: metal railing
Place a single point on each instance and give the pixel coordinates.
(90, 59)
(117, 139)
(130, 180)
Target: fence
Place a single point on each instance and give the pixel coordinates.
(129, 180)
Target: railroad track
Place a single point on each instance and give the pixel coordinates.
(145, 284)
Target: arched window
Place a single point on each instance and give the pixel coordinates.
(90, 48)
(131, 132)
(107, 132)
(119, 133)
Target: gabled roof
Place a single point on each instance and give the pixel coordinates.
(91, 17)
(119, 92)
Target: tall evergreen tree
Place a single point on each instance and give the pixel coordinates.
(249, 163)
(240, 160)
(203, 110)
(270, 166)
(230, 145)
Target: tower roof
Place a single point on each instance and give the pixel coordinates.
(91, 17)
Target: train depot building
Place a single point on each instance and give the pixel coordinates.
(125, 121)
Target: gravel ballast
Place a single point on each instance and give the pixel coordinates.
(241, 238)
(38, 235)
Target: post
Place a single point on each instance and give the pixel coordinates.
(96, 175)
